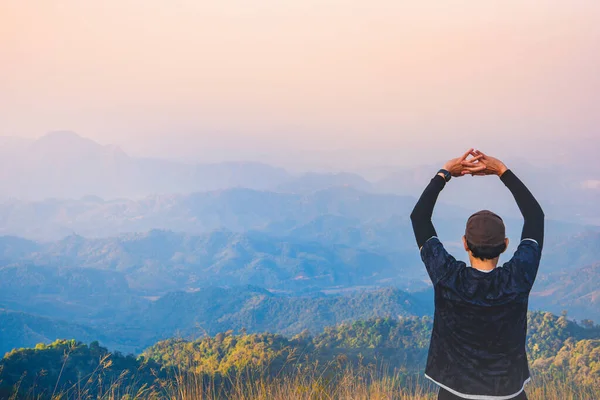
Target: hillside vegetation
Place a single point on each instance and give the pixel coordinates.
(373, 356)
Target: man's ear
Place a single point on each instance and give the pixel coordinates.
(506, 241)
(464, 238)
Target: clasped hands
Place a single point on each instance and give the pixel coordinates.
(479, 164)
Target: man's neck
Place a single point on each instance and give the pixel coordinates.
(484, 265)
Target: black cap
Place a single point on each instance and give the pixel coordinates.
(485, 228)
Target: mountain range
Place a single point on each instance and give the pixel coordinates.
(64, 165)
(232, 209)
(130, 251)
(576, 291)
(140, 287)
(157, 262)
(326, 252)
(207, 311)
(324, 214)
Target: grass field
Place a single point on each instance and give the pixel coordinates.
(349, 385)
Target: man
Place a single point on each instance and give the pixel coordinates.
(477, 348)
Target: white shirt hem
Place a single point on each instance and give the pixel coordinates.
(478, 396)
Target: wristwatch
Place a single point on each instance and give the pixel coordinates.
(447, 175)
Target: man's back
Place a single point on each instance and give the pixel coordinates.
(480, 322)
(477, 348)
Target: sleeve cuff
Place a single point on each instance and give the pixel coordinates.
(439, 180)
(531, 240)
(507, 176)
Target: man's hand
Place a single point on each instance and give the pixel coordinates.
(484, 165)
(457, 166)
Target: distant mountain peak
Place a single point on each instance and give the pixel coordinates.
(64, 140)
(69, 142)
(62, 134)
(65, 137)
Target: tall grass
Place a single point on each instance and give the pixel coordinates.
(314, 382)
(349, 384)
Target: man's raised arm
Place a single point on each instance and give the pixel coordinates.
(423, 211)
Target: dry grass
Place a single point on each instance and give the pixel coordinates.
(351, 386)
(302, 386)
(362, 383)
(343, 382)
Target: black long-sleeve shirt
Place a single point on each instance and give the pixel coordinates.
(477, 348)
(533, 227)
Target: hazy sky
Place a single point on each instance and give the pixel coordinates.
(379, 81)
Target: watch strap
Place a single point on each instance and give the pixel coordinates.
(446, 173)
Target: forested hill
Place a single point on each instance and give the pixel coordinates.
(130, 324)
(257, 310)
(212, 310)
(556, 346)
(398, 343)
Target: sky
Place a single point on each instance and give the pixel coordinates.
(329, 82)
